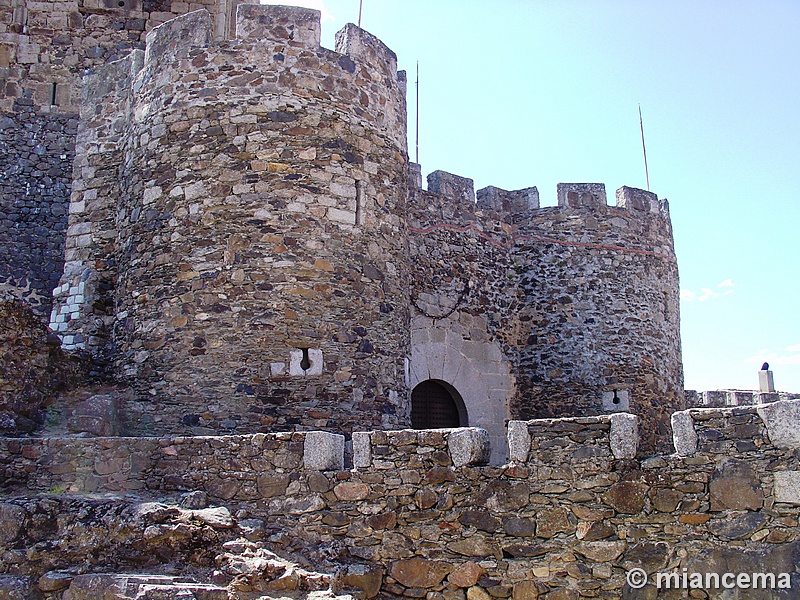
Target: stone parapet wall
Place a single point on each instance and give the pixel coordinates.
(573, 517)
(45, 46)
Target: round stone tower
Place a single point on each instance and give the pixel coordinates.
(260, 245)
(600, 296)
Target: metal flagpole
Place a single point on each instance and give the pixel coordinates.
(360, 4)
(644, 150)
(417, 116)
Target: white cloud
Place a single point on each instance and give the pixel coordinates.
(725, 286)
(315, 4)
(792, 357)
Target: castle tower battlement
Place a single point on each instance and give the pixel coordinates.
(577, 304)
(254, 273)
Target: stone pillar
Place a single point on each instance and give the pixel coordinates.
(765, 381)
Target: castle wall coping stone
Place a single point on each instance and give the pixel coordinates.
(624, 435)
(323, 451)
(782, 420)
(469, 446)
(684, 435)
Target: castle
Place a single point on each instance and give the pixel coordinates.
(248, 246)
(219, 215)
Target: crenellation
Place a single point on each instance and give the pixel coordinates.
(172, 40)
(289, 24)
(581, 195)
(455, 187)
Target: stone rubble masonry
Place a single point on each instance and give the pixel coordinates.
(249, 222)
(44, 48)
(722, 398)
(250, 249)
(566, 515)
(33, 369)
(561, 310)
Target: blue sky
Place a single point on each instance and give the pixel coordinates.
(519, 93)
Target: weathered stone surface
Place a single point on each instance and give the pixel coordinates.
(472, 546)
(480, 519)
(519, 526)
(466, 574)
(365, 579)
(54, 581)
(787, 487)
(469, 446)
(624, 435)
(519, 441)
(734, 485)
(17, 588)
(550, 522)
(627, 496)
(683, 433)
(478, 593)
(272, 484)
(218, 518)
(782, 419)
(323, 451)
(665, 499)
(419, 572)
(601, 551)
(12, 520)
(739, 527)
(525, 590)
(97, 415)
(350, 491)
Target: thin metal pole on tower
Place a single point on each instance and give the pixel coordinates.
(360, 5)
(417, 116)
(644, 149)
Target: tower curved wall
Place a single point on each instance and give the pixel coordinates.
(259, 250)
(600, 315)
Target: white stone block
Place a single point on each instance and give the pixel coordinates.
(782, 419)
(787, 487)
(624, 436)
(616, 401)
(323, 451)
(469, 446)
(151, 195)
(684, 436)
(342, 216)
(362, 450)
(765, 381)
(315, 360)
(277, 368)
(519, 441)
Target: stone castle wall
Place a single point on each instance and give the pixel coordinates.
(44, 48)
(567, 310)
(247, 229)
(570, 513)
(601, 309)
(242, 235)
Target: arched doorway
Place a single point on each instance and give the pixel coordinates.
(436, 404)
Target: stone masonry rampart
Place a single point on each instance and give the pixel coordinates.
(238, 232)
(580, 300)
(572, 510)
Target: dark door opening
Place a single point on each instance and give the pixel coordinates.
(436, 404)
